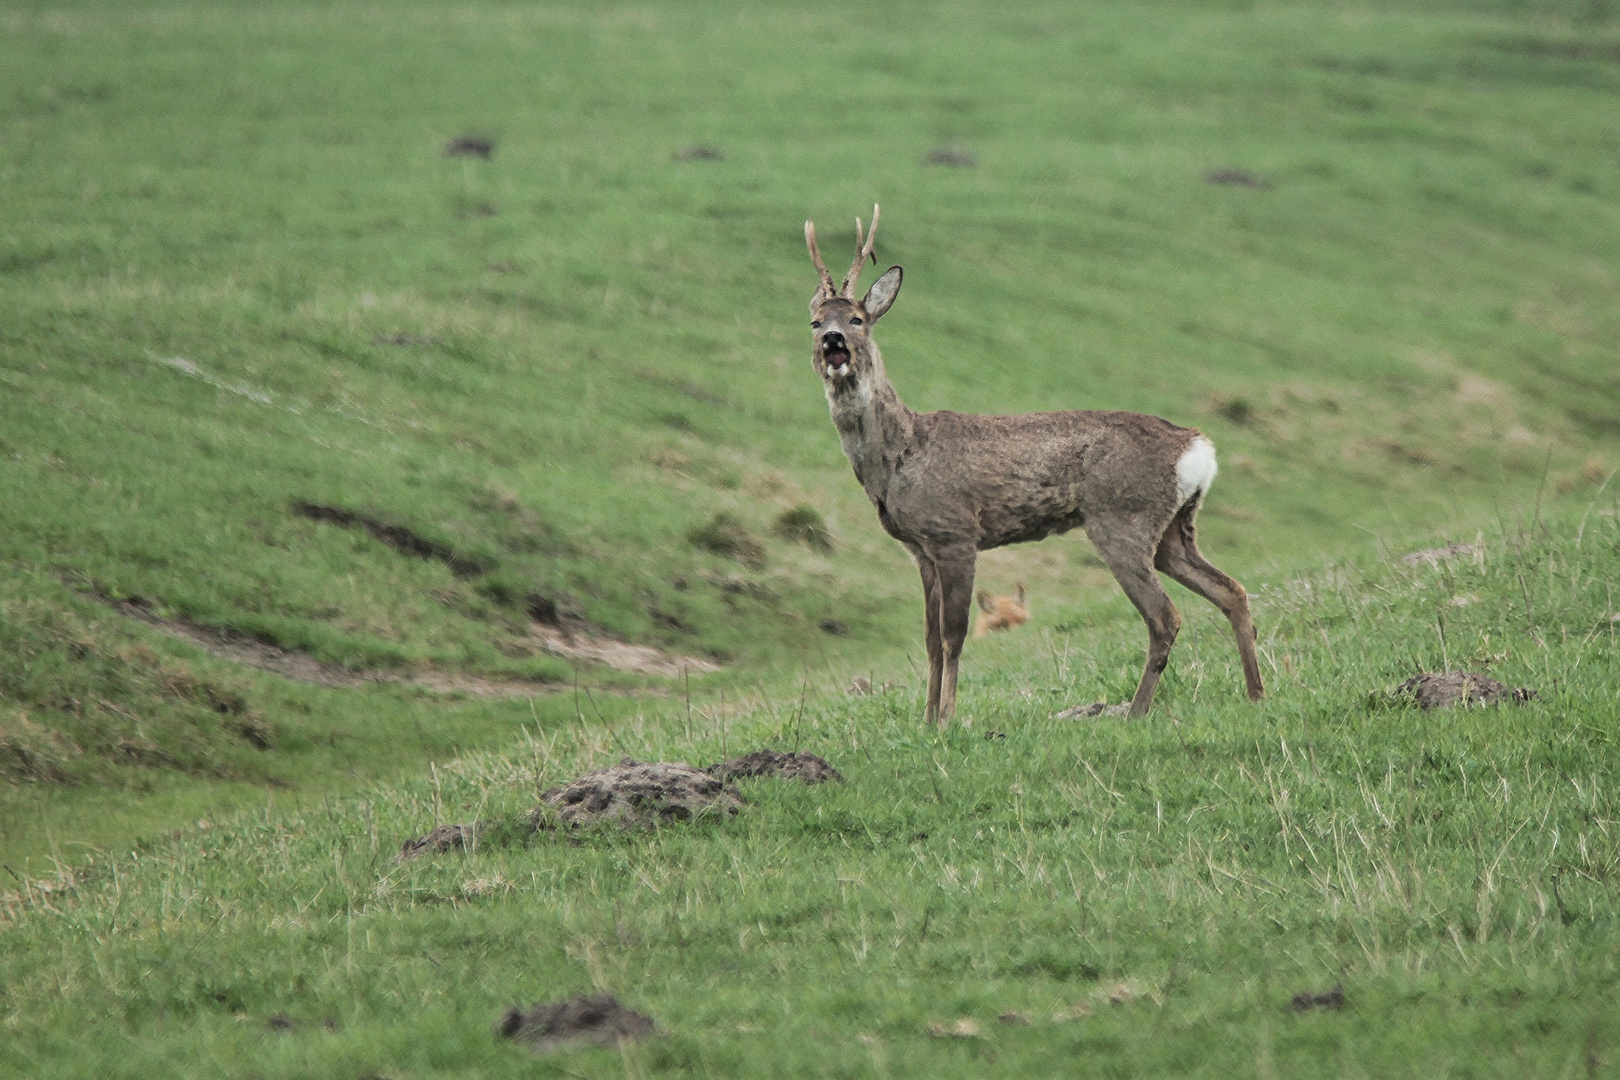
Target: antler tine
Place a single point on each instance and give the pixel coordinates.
(863, 251)
(815, 256)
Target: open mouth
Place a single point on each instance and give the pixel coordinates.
(835, 351)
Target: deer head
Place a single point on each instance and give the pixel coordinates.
(840, 325)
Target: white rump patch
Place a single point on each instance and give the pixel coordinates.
(1195, 470)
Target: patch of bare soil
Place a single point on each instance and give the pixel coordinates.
(1100, 708)
(574, 644)
(478, 146)
(1443, 689)
(808, 768)
(444, 838)
(1304, 1001)
(951, 158)
(306, 669)
(637, 794)
(598, 1020)
(1436, 556)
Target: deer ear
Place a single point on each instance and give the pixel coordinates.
(881, 295)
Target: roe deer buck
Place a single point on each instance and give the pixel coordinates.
(1001, 612)
(948, 485)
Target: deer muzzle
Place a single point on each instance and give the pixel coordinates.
(835, 351)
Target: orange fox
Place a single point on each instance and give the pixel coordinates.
(1001, 612)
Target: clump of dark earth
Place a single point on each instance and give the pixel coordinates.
(402, 339)
(477, 146)
(280, 1022)
(597, 1020)
(809, 768)
(835, 627)
(1100, 708)
(1305, 1000)
(638, 794)
(700, 153)
(952, 159)
(444, 838)
(1237, 178)
(1443, 689)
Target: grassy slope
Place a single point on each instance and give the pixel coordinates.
(1390, 339)
(1455, 872)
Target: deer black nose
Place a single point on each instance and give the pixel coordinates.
(831, 340)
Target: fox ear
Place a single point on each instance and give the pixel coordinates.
(1020, 594)
(985, 603)
(880, 297)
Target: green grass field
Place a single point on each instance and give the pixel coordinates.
(277, 372)
(1453, 872)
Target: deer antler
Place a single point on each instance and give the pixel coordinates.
(815, 256)
(863, 251)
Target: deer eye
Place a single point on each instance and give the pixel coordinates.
(856, 321)
(815, 324)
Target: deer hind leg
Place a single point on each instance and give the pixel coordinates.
(1132, 566)
(955, 568)
(1178, 556)
(931, 621)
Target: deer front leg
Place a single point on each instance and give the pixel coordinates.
(936, 651)
(1163, 624)
(955, 568)
(1132, 565)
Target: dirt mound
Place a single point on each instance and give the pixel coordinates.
(1443, 689)
(598, 1020)
(477, 146)
(638, 794)
(444, 838)
(806, 767)
(1304, 1001)
(1101, 708)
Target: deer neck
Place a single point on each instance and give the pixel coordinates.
(874, 425)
